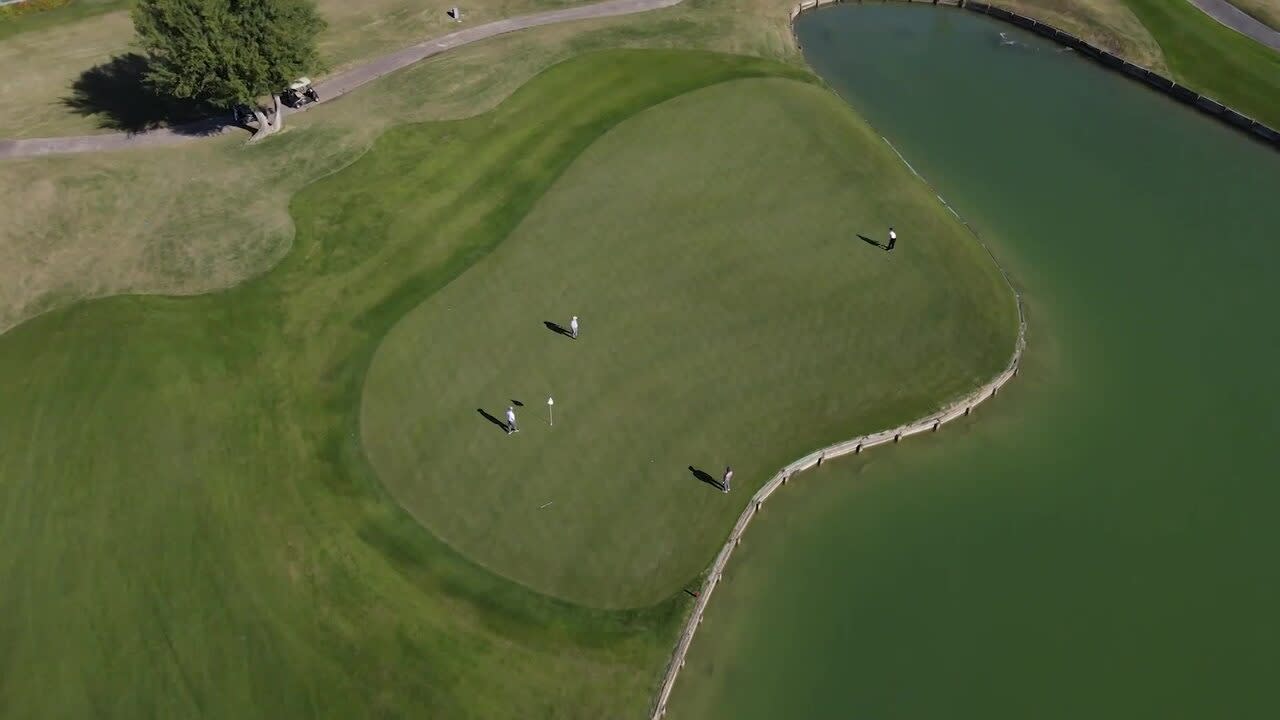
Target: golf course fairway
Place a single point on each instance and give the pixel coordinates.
(203, 500)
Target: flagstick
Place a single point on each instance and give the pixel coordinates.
(551, 415)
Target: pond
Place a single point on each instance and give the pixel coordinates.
(1100, 540)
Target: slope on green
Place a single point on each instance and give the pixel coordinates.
(190, 524)
(731, 315)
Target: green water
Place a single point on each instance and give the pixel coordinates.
(1101, 540)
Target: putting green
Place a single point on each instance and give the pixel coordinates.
(191, 525)
(730, 315)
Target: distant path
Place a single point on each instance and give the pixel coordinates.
(331, 88)
(1240, 21)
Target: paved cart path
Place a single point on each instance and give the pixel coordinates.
(1238, 20)
(331, 88)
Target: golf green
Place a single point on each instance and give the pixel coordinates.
(191, 523)
(731, 315)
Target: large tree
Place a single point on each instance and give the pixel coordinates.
(228, 52)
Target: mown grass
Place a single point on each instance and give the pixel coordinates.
(1107, 24)
(345, 606)
(1176, 38)
(732, 315)
(1213, 59)
(213, 213)
(45, 55)
(190, 524)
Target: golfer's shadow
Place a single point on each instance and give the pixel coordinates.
(873, 242)
(501, 425)
(553, 327)
(705, 477)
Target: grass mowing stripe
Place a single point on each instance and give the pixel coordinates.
(733, 315)
(1213, 59)
(196, 528)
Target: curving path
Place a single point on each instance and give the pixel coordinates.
(1240, 21)
(331, 88)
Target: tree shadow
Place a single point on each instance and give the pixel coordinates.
(117, 95)
(705, 477)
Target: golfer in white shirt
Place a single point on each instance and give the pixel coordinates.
(511, 420)
(573, 327)
(893, 239)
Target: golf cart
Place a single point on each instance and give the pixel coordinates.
(299, 93)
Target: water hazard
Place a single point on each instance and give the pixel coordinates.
(1101, 540)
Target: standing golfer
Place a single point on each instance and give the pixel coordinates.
(573, 327)
(893, 239)
(728, 479)
(511, 420)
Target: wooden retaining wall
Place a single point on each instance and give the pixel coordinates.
(1156, 81)
(856, 446)
(965, 406)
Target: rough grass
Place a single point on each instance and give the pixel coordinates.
(145, 222)
(1109, 24)
(351, 593)
(1265, 11)
(71, 12)
(1178, 39)
(190, 526)
(42, 63)
(732, 315)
